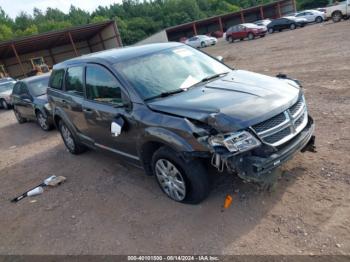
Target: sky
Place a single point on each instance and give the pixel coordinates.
(14, 7)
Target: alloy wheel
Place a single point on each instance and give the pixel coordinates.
(170, 180)
(68, 138)
(42, 120)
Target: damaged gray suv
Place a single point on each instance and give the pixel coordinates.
(174, 111)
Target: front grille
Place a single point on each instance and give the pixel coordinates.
(270, 123)
(300, 120)
(284, 126)
(278, 136)
(296, 107)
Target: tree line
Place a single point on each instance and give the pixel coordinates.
(136, 19)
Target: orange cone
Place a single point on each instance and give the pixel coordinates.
(228, 201)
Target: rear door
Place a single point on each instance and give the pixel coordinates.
(105, 103)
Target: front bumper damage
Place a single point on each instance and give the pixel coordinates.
(256, 167)
(253, 168)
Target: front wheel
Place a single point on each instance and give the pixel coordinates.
(292, 26)
(202, 44)
(337, 16)
(230, 39)
(185, 182)
(271, 30)
(69, 140)
(43, 121)
(4, 104)
(319, 19)
(250, 36)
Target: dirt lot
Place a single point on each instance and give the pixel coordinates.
(109, 207)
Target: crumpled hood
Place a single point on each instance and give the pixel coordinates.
(236, 101)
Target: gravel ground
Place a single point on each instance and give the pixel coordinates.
(109, 207)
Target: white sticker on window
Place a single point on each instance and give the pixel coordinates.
(183, 52)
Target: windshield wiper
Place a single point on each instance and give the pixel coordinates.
(165, 94)
(208, 78)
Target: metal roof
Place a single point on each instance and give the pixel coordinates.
(112, 56)
(210, 19)
(50, 39)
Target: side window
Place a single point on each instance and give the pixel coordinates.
(102, 86)
(74, 80)
(23, 90)
(56, 79)
(16, 88)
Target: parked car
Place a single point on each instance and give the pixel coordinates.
(174, 110)
(338, 10)
(199, 41)
(286, 23)
(312, 16)
(243, 31)
(30, 101)
(6, 86)
(263, 22)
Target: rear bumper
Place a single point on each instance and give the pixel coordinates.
(253, 168)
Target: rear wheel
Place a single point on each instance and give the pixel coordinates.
(230, 39)
(271, 30)
(186, 182)
(319, 19)
(43, 121)
(250, 36)
(18, 116)
(72, 145)
(202, 44)
(292, 26)
(4, 104)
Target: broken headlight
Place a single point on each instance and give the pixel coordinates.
(235, 142)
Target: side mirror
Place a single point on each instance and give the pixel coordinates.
(117, 126)
(220, 58)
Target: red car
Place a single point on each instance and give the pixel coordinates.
(243, 31)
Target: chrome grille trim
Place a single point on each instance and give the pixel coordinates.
(296, 118)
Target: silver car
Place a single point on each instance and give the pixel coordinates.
(200, 41)
(312, 16)
(6, 86)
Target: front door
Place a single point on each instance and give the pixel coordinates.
(104, 104)
(71, 101)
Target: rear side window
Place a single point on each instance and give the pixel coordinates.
(56, 79)
(102, 86)
(74, 80)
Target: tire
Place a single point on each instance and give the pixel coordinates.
(337, 16)
(271, 30)
(18, 116)
(202, 45)
(69, 140)
(185, 182)
(230, 39)
(43, 122)
(4, 104)
(292, 26)
(319, 19)
(250, 36)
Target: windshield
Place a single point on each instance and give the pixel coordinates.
(7, 86)
(38, 87)
(169, 70)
